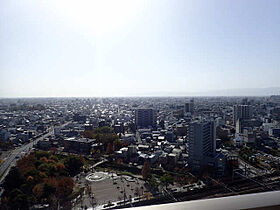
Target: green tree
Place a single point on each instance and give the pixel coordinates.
(49, 187)
(104, 135)
(153, 182)
(38, 191)
(40, 154)
(73, 164)
(44, 167)
(18, 200)
(166, 179)
(117, 144)
(13, 180)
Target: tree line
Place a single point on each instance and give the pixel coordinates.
(40, 178)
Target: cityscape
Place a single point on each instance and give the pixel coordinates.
(139, 104)
(103, 153)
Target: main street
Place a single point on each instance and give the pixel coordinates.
(19, 152)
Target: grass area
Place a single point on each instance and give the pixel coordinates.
(99, 168)
(156, 175)
(126, 173)
(90, 162)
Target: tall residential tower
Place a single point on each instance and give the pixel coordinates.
(189, 106)
(201, 143)
(242, 112)
(145, 118)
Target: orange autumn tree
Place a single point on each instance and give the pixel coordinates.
(146, 170)
(64, 187)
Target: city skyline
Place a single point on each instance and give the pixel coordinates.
(138, 48)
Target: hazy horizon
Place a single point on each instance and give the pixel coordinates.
(139, 48)
(251, 92)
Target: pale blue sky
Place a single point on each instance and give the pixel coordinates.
(131, 48)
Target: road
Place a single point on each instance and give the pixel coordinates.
(19, 152)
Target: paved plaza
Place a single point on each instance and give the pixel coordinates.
(102, 188)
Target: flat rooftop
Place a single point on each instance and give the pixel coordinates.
(84, 140)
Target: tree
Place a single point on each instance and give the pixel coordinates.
(5, 145)
(104, 130)
(104, 135)
(64, 187)
(60, 166)
(49, 186)
(146, 170)
(117, 144)
(88, 134)
(54, 158)
(39, 177)
(44, 159)
(166, 179)
(13, 180)
(44, 167)
(26, 164)
(40, 154)
(109, 149)
(153, 183)
(73, 164)
(18, 200)
(38, 191)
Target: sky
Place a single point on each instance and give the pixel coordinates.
(88, 48)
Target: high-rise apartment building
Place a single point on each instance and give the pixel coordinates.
(201, 143)
(145, 118)
(189, 106)
(242, 112)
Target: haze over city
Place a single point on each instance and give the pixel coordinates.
(139, 104)
(139, 48)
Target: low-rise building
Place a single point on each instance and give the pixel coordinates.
(78, 145)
